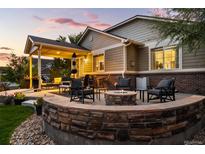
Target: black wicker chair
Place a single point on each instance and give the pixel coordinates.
(165, 90)
(80, 92)
(123, 84)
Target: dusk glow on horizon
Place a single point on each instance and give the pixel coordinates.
(16, 24)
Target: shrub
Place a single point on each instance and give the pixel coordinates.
(39, 102)
(19, 96)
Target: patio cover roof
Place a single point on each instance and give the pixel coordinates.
(52, 48)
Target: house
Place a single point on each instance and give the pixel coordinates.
(130, 48)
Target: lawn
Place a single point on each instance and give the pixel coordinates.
(11, 116)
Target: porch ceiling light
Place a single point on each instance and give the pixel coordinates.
(85, 60)
(58, 52)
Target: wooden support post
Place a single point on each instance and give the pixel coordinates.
(39, 68)
(30, 72)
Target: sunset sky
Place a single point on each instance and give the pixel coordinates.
(16, 24)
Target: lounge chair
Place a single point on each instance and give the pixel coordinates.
(165, 90)
(123, 84)
(79, 91)
(47, 83)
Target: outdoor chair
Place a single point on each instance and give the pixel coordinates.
(165, 90)
(48, 83)
(123, 84)
(80, 92)
(88, 81)
(101, 85)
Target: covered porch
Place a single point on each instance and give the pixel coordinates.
(42, 47)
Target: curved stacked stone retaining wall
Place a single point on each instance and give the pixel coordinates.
(166, 123)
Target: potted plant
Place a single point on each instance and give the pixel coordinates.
(38, 104)
(19, 97)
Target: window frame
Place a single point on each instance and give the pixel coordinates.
(164, 48)
(94, 63)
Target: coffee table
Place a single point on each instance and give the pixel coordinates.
(120, 97)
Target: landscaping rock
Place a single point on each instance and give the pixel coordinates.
(31, 132)
(198, 139)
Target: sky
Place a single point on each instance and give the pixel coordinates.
(16, 24)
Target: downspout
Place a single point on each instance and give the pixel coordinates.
(125, 56)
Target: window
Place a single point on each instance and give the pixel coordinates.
(98, 62)
(164, 58)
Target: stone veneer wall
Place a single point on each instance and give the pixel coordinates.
(145, 124)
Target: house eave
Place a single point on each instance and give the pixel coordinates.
(138, 17)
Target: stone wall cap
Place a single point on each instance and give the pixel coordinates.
(60, 101)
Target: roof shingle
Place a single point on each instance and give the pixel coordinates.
(55, 42)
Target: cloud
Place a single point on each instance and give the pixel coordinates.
(6, 48)
(91, 16)
(159, 12)
(38, 18)
(4, 56)
(68, 21)
(4, 59)
(101, 25)
(71, 22)
(40, 30)
(44, 29)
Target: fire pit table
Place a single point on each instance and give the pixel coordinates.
(120, 97)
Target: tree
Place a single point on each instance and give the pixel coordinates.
(60, 67)
(74, 38)
(61, 38)
(16, 70)
(185, 25)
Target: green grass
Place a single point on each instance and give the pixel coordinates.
(11, 116)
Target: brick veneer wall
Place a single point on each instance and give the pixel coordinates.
(193, 83)
(125, 127)
(113, 78)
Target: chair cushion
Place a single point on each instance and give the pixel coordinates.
(76, 83)
(88, 91)
(165, 83)
(124, 82)
(65, 82)
(156, 92)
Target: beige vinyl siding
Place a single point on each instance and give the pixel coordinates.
(193, 60)
(143, 59)
(138, 30)
(88, 64)
(132, 56)
(95, 40)
(114, 60)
